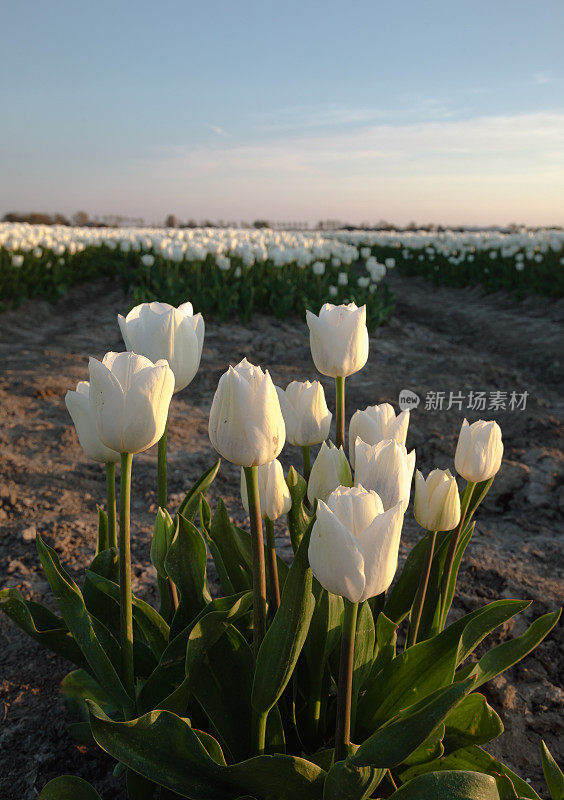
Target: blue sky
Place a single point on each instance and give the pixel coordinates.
(432, 111)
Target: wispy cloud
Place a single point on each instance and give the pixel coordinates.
(217, 130)
(540, 78)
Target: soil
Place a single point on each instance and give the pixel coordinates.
(438, 340)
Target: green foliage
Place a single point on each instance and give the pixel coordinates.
(68, 787)
(552, 774)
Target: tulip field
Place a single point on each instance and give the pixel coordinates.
(234, 564)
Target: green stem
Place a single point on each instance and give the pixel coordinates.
(111, 502)
(344, 692)
(272, 565)
(340, 404)
(453, 544)
(419, 601)
(306, 455)
(259, 732)
(162, 500)
(126, 615)
(257, 548)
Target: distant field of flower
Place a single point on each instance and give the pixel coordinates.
(522, 263)
(237, 272)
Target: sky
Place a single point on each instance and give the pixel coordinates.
(447, 112)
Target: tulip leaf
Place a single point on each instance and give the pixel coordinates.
(102, 538)
(234, 560)
(42, 625)
(283, 642)
(181, 653)
(508, 653)
(449, 785)
(185, 564)
(474, 721)
(163, 748)
(552, 774)
(189, 506)
(71, 604)
(428, 665)
(205, 523)
(298, 517)
(344, 781)
(79, 686)
(402, 594)
(152, 625)
(68, 787)
(393, 743)
(475, 758)
(106, 564)
(463, 543)
(386, 639)
(163, 532)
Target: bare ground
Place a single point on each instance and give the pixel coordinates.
(439, 339)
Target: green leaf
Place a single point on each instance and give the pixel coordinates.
(189, 506)
(281, 647)
(298, 517)
(449, 786)
(69, 787)
(347, 782)
(508, 653)
(106, 563)
(71, 604)
(102, 539)
(364, 643)
(463, 543)
(164, 748)
(228, 545)
(552, 774)
(474, 758)
(386, 639)
(185, 564)
(189, 645)
(402, 594)
(472, 722)
(163, 532)
(42, 625)
(152, 625)
(394, 742)
(79, 686)
(428, 665)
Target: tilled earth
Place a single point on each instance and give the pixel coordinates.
(439, 340)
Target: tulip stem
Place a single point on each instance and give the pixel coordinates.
(344, 692)
(306, 455)
(257, 548)
(162, 500)
(453, 544)
(272, 565)
(258, 726)
(419, 602)
(126, 614)
(340, 406)
(111, 503)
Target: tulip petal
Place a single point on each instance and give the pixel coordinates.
(379, 544)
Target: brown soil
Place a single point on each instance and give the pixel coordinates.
(438, 340)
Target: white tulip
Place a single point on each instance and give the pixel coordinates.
(437, 501)
(330, 470)
(376, 423)
(353, 551)
(78, 405)
(130, 397)
(479, 450)
(159, 330)
(386, 468)
(274, 494)
(305, 412)
(338, 339)
(246, 424)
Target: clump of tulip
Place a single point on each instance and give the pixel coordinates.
(290, 682)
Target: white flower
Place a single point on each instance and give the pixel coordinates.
(330, 469)
(78, 405)
(353, 551)
(376, 423)
(246, 424)
(338, 339)
(306, 416)
(479, 450)
(437, 501)
(386, 468)
(159, 330)
(130, 397)
(274, 494)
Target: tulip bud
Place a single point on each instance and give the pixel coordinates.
(376, 423)
(130, 397)
(159, 330)
(78, 405)
(274, 494)
(330, 470)
(437, 501)
(246, 424)
(338, 339)
(386, 468)
(353, 550)
(479, 450)
(305, 412)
